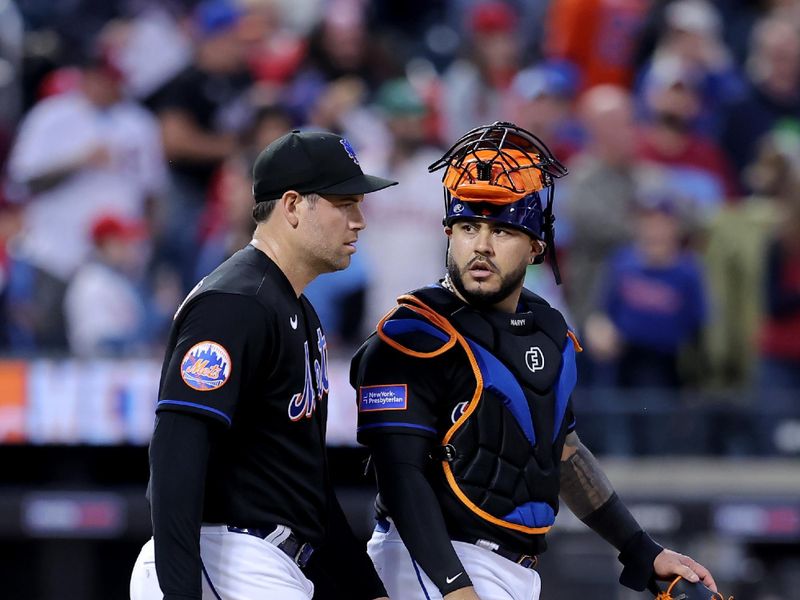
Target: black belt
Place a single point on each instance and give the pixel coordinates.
(300, 552)
(529, 561)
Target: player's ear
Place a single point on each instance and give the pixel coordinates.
(537, 247)
(288, 207)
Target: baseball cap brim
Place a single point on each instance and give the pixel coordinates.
(360, 184)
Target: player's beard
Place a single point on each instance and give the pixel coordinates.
(509, 284)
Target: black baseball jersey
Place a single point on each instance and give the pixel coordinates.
(423, 391)
(245, 351)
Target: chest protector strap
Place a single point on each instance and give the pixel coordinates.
(444, 331)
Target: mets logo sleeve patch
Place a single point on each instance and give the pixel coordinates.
(219, 344)
(382, 397)
(206, 366)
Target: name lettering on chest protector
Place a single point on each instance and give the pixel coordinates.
(303, 404)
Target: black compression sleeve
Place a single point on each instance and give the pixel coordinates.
(400, 464)
(615, 524)
(178, 459)
(346, 559)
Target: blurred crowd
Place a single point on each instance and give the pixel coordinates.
(128, 128)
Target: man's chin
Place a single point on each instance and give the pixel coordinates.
(480, 288)
(342, 263)
(481, 293)
(331, 266)
(481, 285)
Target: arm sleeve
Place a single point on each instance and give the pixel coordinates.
(400, 466)
(176, 497)
(398, 399)
(590, 496)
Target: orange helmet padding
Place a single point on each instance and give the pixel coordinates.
(512, 175)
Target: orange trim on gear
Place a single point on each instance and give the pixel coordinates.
(482, 513)
(419, 307)
(405, 350)
(575, 341)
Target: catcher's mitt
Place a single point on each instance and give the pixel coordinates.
(682, 589)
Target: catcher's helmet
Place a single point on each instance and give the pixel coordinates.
(496, 173)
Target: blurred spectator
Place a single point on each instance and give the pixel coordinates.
(59, 81)
(151, 49)
(201, 110)
(299, 15)
(277, 51)
(336, 103)
(340, 49)
(475, 87)
(773, 89)
(230, 222)
(543, 103)
(599, 195)
(227, 223)
(271, 122)
(779, 339)
(11, 38)
(10, 226)
(780, 335)
(104, 307)
(403, 241)
(599, 36)
(692, 39)
(671, 139)
(530, 16)
(79, 154)
(654, 302)
(785, 10)
(736, 259)
(340, 107)
(76, 23)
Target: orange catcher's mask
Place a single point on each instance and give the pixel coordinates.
(497, 173)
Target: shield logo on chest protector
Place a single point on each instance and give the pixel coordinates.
(534, 359)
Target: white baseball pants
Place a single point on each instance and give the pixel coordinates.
(494, 577)
(236, 566)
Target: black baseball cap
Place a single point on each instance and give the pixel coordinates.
(311, 162)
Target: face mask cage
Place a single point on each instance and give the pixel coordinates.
(501, 164)
(501, 155)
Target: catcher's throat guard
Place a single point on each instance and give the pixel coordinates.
(499, 173)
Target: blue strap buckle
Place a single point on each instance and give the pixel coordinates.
(528, 561)
(303, 555)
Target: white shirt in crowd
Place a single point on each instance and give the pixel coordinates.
(59, 131)
(101, 305)
(404, 239)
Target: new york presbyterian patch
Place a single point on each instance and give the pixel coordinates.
(206, 366)
(382, 397)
